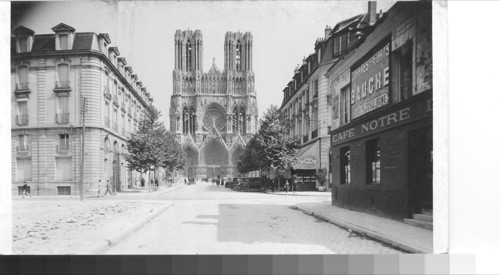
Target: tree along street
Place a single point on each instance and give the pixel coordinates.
(207, 219)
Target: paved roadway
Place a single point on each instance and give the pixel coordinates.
(205, 219)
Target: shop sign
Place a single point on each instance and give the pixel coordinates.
(370, 81)
(308, 161)
(411, 112)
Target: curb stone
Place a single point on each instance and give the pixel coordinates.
(358, 229)
(125, 233)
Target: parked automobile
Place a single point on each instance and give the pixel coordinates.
(247, 183)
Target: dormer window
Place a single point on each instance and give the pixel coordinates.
(64, 37)
(63, 42)
(24, 39)
(319, 55)
(340, 44)
(23, 44)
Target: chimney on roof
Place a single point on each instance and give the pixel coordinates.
(372, 12)
(328, 29)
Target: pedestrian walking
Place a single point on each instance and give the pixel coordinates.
(295, 184)
(157, 184)
(287, 186)
(99, 188)
(143, 182)
(108, 189)
(25, 189)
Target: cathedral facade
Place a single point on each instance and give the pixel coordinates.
(213, 114)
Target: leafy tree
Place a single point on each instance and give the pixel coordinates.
(272, 146)
(153, 145)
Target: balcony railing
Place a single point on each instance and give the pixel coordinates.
(106, 122)
(115, 127)
(62, 118)
(23, 148)
(22, 86)
(22, 120)
(62, 84)
(314, 134)
(63, 149)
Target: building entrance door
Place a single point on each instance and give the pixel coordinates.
(420, 170)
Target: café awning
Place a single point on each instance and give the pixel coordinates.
(308, 157)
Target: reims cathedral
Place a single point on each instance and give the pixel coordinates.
(214, 113)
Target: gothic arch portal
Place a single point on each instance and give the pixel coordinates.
(215, 153)
(191, 155)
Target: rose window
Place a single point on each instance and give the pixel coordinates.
(214, 119)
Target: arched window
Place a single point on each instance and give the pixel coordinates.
(116, 148)
(107, 145)
(192, 126)
(185, 120)
(238, 56)
(189, 56)
(241, 120)
(235, 120)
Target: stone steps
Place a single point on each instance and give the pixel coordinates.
(423, 220)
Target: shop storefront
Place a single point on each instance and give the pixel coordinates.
(305, 167)
(382, 163)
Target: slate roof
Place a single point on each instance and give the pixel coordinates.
(47, 42)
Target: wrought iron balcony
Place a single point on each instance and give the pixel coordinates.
(63, 149)
(62, 118)
(23, 148)
(22, 86)
(106, 122)
(22, 120)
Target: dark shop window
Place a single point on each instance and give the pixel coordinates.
(373, 162)
(345, 165)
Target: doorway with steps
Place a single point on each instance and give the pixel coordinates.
(420, 175)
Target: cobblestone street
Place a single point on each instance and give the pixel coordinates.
(205, 219)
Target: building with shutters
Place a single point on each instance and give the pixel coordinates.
(50, 74)
(214, 113)
(307, 102)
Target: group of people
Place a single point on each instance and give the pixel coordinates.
(109, 189)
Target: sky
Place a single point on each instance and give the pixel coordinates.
(284, 32)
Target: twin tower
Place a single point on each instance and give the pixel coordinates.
(214, 113)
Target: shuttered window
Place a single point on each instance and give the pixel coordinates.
(63, 169)
(63, 73)
(23, 169)
(24, 143)
(62, 104)
(22, 108)
(22, 72)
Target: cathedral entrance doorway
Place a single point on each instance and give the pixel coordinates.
(214, 172)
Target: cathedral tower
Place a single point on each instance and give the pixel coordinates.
(213, 114)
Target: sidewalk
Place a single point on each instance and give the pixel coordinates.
(399, 234)
(146, 192)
